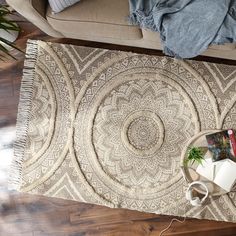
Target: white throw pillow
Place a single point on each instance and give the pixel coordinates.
(60, 5)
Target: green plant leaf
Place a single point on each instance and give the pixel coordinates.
(8, 25)
(194, 154)
(3, 49)
(10, 44)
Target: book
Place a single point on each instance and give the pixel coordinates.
(222, 173)
(225, 177)
(222, 145)
(206, 168)
(232, 141)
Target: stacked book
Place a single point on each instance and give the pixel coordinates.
(219, 163)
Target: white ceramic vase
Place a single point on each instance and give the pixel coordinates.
(10, 35)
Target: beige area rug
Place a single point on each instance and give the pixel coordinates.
(108, 127)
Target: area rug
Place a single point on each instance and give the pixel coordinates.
(108, 127)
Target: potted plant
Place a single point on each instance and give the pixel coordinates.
(194, 154)
(9, 31)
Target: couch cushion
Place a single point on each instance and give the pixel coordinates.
(155, 37)
(152, 36)
(95, 18)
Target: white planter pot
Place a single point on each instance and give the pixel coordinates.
(10, 35)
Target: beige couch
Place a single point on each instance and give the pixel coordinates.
(101, 21)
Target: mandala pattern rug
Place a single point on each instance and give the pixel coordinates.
(108, 127)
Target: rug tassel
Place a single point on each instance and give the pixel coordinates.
(26, 91)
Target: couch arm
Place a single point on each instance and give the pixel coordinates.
(34, 11)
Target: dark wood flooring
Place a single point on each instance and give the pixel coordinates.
(28, 215)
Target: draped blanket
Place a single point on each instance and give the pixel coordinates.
(187, 27)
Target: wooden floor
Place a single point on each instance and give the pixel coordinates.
(27, 215)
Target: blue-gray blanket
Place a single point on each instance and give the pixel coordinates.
(187, 27)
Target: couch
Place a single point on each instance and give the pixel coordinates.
(100, 21)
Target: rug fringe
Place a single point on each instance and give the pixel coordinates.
(26, 91)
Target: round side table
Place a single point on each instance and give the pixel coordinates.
(189, 172)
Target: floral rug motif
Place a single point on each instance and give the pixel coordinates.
(108, 127)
